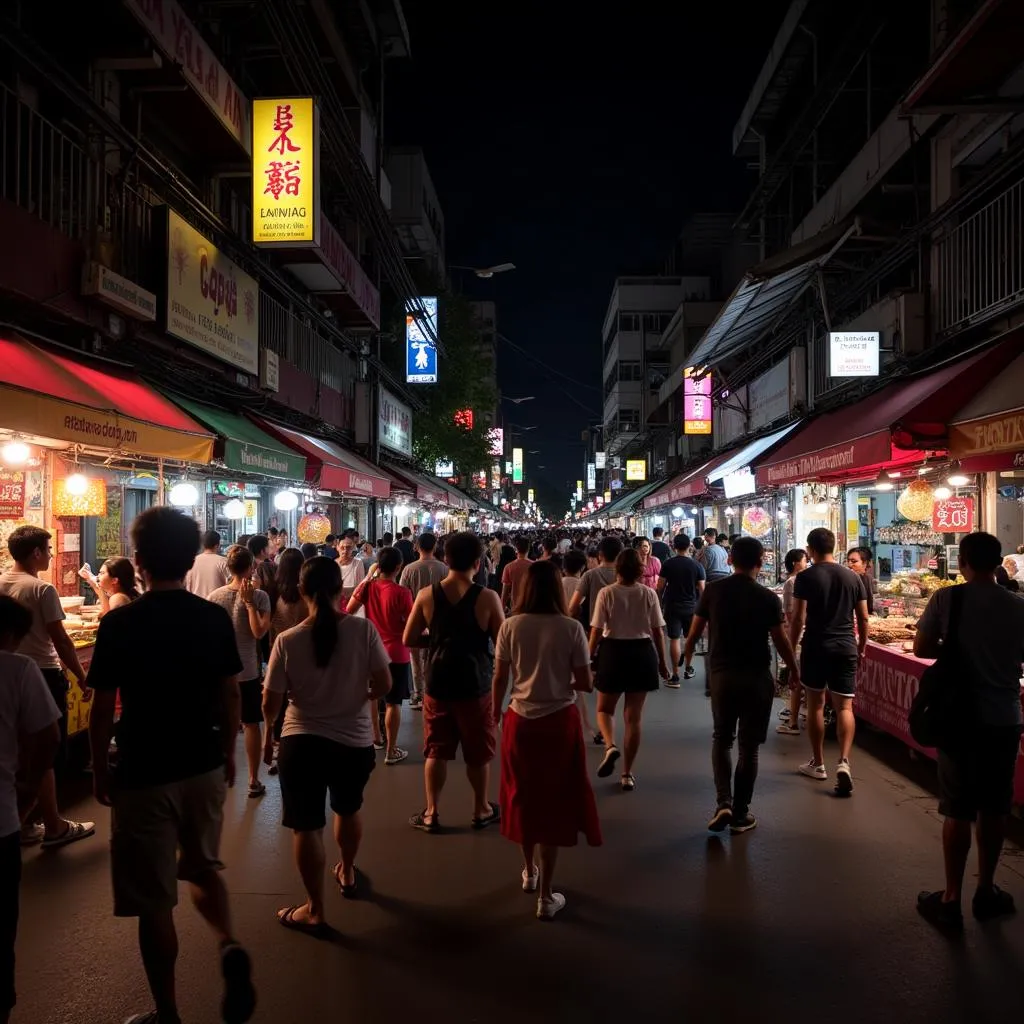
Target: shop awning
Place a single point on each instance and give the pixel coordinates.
(987, 434)
(45, 394)
(331, 466)
(748, 455)
(625, 501)
(433, 493)
(686, 486)
(890, 428)
(765, 295)
(243, 446)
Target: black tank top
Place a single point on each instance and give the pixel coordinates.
(460, 660)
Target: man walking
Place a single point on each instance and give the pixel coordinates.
(353, 570)
(463, 618)
(405, 546)
(827, 598)
(167, 795)
(210, 569)
(513, 578)
(976, 774)
(714, 557)
(424, 572)
(659, 548)
(742, 615)
(680, 585)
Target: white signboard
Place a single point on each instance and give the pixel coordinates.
(599, 460)
(853, 353)
(591, 477)
(394, 424)
(444, 468)
(739, 483)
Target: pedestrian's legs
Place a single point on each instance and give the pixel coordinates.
(253, 751)
(47, 804)
(722, 739)
(348, 832)
(633, 713)
(210, 898)
(956, 845)
(990, 830)
(158, 944)
(846, 724)
(816, 724)
(675, 648)
(479, 776)
(392, 723)
(435, 773)
(419, 672)
(10, 882)
(606, 704)
(548, 860)
(530, 857)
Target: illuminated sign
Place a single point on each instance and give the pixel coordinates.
(697, 404)
(853, 353)
(517, 465)
(444, 468)
(464, 419)
(636, 470)
(420, 332)
(496, 476)
(599, 460)
(529, 495)
(285, 172)
(579, 490)
(497, 441)
(394, 424)
(508, 467)
(591, 477)
(607, 496)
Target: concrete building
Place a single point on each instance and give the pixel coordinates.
(415, 209)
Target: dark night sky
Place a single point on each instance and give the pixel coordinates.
(575, 147)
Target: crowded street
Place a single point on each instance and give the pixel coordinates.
(810, 915)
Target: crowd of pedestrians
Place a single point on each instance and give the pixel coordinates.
(312, 655)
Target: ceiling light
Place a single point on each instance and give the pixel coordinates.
(677, 513)
(15, 453)
(942, 493)
(694, 511)
(234, 509)
(286, 501)
(883, 482)
(957, 477)
(184, 495)
(77, 484)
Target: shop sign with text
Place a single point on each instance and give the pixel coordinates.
(953, 515)
(12, 494)
(118, 292)
(697, 403)
(636, 470)
(517, 465)
(853, 353)
(444, 468)
(285, 172)
(420, 336)
(394, 424)
(833, 461)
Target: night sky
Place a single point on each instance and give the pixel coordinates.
(575, 147)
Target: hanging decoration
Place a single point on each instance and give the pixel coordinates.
(313, 528)
(915, 503)
(92, 501)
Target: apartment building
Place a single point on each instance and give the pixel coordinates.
(415, 209)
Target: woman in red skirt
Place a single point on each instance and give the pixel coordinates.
(546, 798)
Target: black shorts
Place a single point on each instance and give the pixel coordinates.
(401, 683)
(313, 766)
(252, 701)
(627, 666)
(977, 778)
(677, 621)
(10, 881)
(57, 684)
(837, 673)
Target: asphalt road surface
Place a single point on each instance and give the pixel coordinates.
(809, 917)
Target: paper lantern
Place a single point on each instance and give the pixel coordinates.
(92, 502)
(313, 528)
(915, 503)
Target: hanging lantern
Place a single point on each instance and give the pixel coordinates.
(313, 528)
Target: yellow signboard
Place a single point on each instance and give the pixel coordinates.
(636, 469)
(285, 172)
(529, 495)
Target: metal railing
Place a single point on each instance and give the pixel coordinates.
(980, 263)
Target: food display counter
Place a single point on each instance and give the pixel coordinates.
(79, 708)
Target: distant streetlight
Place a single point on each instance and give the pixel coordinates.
(485, 272)
(519, 401)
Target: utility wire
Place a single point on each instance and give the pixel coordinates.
(558, 373)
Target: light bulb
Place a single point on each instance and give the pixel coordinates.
(942, 493)
(15, 453)
(77, 484)
(883, 482)
(730, 511)
(957, 477)
(184, 495)
(694, 511)
(677, 513)
(234, 509)
(286, 501)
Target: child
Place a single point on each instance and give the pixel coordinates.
(796, 562)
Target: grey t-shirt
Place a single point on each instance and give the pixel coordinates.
(424, 572)
(592, 582)
(248, 645)
(715, 560)
(991, 635)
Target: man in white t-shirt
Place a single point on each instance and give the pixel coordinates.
(209, 572)
(29, 738)
(353, 570)
(48, 645)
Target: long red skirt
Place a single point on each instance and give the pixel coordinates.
(546, 797)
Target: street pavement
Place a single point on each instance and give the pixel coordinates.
(809, 917)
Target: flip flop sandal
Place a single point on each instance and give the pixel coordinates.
(287, 920)
(492, 819)
(420, 821)
(350, 892)
(257, 790)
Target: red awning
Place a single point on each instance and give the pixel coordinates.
(424, 489)
(688, 485)
(892, 428)
(331, 466)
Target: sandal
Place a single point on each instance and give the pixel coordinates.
(350, 892)
(420, 821)
(256, 789)
(628, 783)
(288, 920)
(491, 819)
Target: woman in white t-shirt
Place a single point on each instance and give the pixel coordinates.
(627, 638)
(331, 667)
(546, 798)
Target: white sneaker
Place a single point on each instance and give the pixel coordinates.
(788, 730)
(530, 879)
(546, 909)
(814, 771)
(844, 778)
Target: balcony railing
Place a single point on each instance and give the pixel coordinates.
(980, 264)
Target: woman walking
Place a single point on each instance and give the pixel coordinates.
(546, 798)
(330, 666)
(627, 638)
(650, 562)
(287, 611)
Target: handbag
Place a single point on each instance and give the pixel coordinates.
(943, 709)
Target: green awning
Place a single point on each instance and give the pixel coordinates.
(243, 446)
(625, 502)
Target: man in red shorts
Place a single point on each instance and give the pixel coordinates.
(463, 619)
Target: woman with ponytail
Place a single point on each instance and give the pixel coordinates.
(330, 667)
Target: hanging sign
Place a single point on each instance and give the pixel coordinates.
(636, 470)
(697, 403)
(591, 476)
(517, 465)
(420, 332)
(953, 515)
(853, 353)
(12, 494)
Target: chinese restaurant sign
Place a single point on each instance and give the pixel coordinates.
(177, 37)
(853, 353)
(953, 515)
(285, 172)
(12, 494)
(697, 404)
(211, 303)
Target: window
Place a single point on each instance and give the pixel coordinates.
(629, 321)
(611, 380)
(629, 419)
(630, 370)
(656, 323)
(657, 374)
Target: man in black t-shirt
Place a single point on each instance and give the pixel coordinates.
(680, 584)
(827, 598)
(659, 548)
(742, 615)
(174, 659)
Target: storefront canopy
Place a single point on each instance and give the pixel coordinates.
(432, 492)
(890, 428)
(628, 499)
(687, 486)
(44, 394)
(331, 466)
(987, 434)
(748, 456)
(243, 446)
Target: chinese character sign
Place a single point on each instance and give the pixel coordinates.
(697, 403)
(420, 335)
(12, 494)
(953, 515)
(517, 465)
(285, 172)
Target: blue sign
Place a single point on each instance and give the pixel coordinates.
(420, 341)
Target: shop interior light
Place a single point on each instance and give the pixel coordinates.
(234, 509)
(15, 453)
(730, 511)
(883, 482)
(694, 511)
(677, 513)
(941, 493)
(77, 484)
(401, 510)
(184, 495)
(957, 477)
(781, 513)
(286, 501)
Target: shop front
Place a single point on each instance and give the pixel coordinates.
(682, 501)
